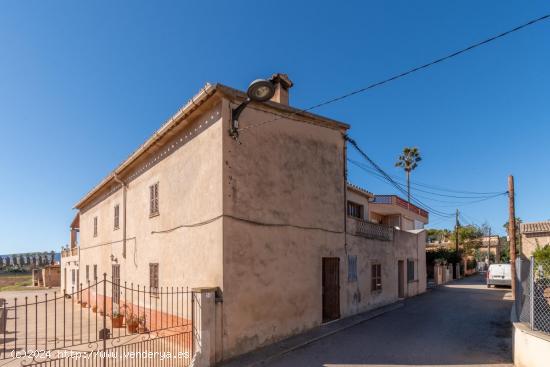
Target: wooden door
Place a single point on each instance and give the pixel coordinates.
(116, 283)
(331, 288)
(400, 280)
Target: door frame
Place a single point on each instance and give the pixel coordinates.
(400, 278)
(330, 289)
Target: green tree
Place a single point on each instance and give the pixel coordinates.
(470, 238)
(409, 161)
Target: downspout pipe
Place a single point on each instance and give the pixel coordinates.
(124, 188)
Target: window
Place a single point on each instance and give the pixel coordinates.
(73, 277)
(355, 210)
(410, 270)
(154, 278)
(95, 226)
(117, 217)
(95, 273)
(154, 200)
(352, 268)
(376, 275)
(87, 273)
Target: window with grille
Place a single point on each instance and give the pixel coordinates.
(376, 277)
(95, 272)
(154, 278)
(154, 199)
(95, 226)
(352, 268)
(410, 270)
(355, 210)
(117, 217)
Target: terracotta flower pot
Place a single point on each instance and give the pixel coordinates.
(117, 321)
(132, 327)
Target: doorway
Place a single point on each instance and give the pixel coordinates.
(331, 288)
(400, 282)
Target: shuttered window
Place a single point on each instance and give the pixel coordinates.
(376, 277)
(154, 200)
(410, 270)
(117, 217)
(95, 272)
(95, 226)
(352, 268)
(154, 278)
(87, 273)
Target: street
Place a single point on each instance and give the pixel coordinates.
(461, 323)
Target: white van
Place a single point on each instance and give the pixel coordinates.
(499, 274)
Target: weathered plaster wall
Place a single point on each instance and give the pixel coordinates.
(529, 243)
(285, 172)
(405, 245)
(190, 192)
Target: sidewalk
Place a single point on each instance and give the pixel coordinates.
(270, 352)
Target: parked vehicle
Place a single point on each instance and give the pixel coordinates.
(499, 274)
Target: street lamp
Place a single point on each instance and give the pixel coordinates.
(260, 90)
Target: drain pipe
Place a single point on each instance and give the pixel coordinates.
(124, 187)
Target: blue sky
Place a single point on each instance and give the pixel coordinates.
(82, 84)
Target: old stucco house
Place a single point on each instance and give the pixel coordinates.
(533, 235)
(268, 218)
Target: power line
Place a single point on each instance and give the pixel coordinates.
(405, 73)
(479, 196)
(393, 182)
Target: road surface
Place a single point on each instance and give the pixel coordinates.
(462, 323)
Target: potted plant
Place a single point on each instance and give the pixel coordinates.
(94, 308)
(132, 322)
(83, 304)
(117, 319)
(142, 324)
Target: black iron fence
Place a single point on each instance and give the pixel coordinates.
(108, 315)
(533, 293)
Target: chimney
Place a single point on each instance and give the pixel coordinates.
(282, 85)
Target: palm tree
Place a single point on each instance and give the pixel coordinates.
(409, 161)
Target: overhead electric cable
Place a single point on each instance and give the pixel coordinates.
(405, 73)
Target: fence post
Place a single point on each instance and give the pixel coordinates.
(104, 361)
(532, 292)
(204, 326)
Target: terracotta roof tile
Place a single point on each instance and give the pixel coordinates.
(535, 227)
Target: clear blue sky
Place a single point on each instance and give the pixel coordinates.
(82, 84)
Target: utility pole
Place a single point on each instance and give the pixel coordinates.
(456, 232)
(512, 231)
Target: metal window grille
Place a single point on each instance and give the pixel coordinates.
(376, 275)
(355, 210)
(154, 278)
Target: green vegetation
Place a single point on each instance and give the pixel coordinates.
(14, 282)
(442, 255)
(409, 161)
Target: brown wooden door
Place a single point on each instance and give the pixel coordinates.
(331, 288)
(400, 280)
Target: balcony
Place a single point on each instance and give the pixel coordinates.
(396, 200)
(69, 252)
(374, 230)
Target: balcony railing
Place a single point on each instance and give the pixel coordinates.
(69, 252)
(394, 199)
(374, 230)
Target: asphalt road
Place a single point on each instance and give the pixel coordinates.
(462, 323)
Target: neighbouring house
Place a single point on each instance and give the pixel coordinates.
(534, 234)
(268, 219)
(394, 211)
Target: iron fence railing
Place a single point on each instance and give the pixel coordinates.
(533, 293)
(97, 317)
